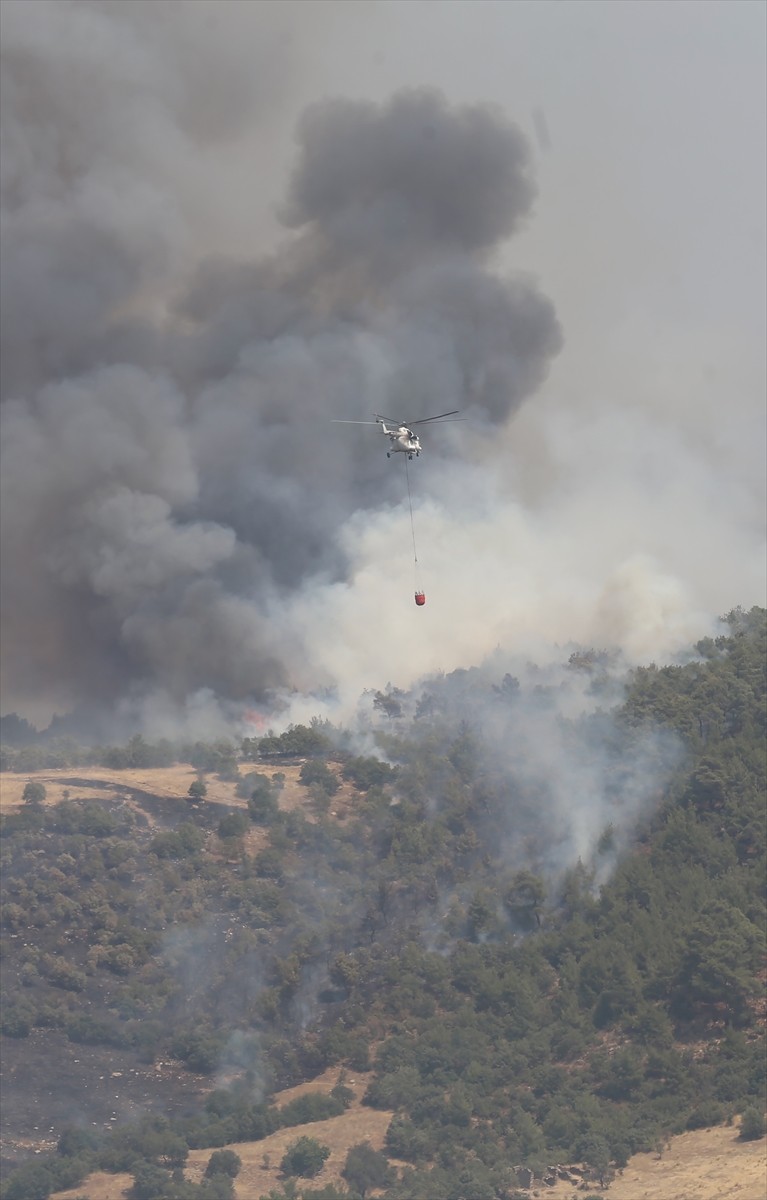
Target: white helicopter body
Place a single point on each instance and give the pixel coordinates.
(401, 439)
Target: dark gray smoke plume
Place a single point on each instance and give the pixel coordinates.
(170, 474)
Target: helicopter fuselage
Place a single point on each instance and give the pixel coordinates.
(401, 440)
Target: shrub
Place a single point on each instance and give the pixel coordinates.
(232, 825)
(34, 793)
(182, 843)
(706, 1114)
(263, 807)
(752, 1125)
(31, 1182)
(63, 974)
(15, 1023)
(366, 1168)
(316, 771)
(313, 1106)
(365, 773)
(305, 1157)
(223, 1162)
(298, 740)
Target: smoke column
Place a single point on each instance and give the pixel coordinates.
(185, 533)
(170, 483)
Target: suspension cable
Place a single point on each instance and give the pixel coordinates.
(410, 502)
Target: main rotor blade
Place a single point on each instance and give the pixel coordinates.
(340, 421)
(439, 417)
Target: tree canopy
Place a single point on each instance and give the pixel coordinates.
(541, 927)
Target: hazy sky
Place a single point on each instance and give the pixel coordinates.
(652, 185)
(620, 499)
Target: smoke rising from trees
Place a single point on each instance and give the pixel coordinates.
(184, 531)
(169, 483)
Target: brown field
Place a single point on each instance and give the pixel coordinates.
(171, 783)
(99, 783)
(99, 1186)
(702, 1165)
(357, 1124)
(261, 1160)
(709, 1164)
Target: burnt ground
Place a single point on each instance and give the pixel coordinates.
(48, 1082)
(91, 1086)
(151, 809)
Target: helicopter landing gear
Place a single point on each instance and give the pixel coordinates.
(410, 456)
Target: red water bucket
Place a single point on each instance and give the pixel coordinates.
(420, 599)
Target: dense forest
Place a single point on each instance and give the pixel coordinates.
(540, 925)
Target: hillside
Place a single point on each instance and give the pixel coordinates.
(534, 925)
(708, 1164)
(102, 783)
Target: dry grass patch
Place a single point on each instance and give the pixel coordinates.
(99, 1186)
(358, 1123)
(170, 783)
(261, 1160)
(294, 794)
(707, 1164)
(356, 1081)
(100, 783)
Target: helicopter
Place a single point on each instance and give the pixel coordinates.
(402, 439)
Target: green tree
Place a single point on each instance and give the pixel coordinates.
(33, 1181)
(223, 1162)
(253, 782)
(183, 842)
(305, 1157)
(723, 951)
(752, 1124)
(297, 741)
(318, 772)
(366, 1168)
(34, 794)
(198, 790)
(15, 1021)
(366, 773)
(524, 898)
(74, 1141)
(150, 1182)
(233, 825)
(594, 1151)
(263, 805)
(389, 702)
